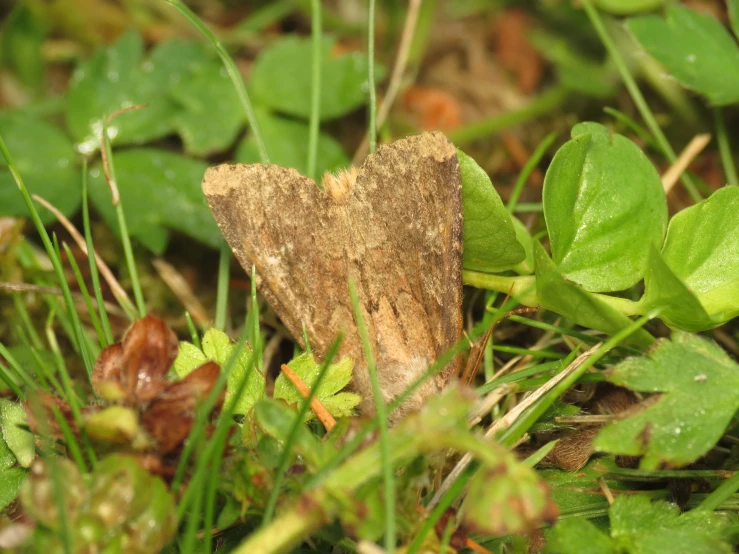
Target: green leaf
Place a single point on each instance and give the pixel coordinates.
(287, 143)
(641, 526)
(109, 81)
(490, 242)
(733, 6)
(218, 347)
(677, 305)
(604, 206)
(700, 386)
(573, 536)
(13, 423)
(7, 458)
(628, 7)
(281, 78)
(702, 249)
(339, 404)
(48, 171)
(22, 36)
(189, 357)
(10, 485)
(696, 50)
(159, 190)
(559, 295)
(213, 115)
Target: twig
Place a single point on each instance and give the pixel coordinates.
(181, 288)
(694, 147)
(316, 405)
(508, 419)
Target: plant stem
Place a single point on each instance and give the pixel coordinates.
(522, 288)
(232, 71)
(636, 95)
(224, 261)
(315, 105)
(372, 131)
(724, 147)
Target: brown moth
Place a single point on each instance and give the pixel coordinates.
(394, 226)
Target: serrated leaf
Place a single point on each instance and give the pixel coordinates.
(490, 243)
(217, 346)
(281, 78)
(286, 141)
(700, 386)
(639, 525)
(702, 249)
(677, 305)
(10, 485)
(110, 80)
(189, 357)
(695, 48)
(574, 536)
(559, 295)
(50, 171)
(338, 376)
(159, 191)
(605, 207)
(13, 423)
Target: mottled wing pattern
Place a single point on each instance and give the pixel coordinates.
(397, 234)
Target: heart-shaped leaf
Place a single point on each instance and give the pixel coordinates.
(695, 48)
(490, 242)
(281, 78)
(605, 207)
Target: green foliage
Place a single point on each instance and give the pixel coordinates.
(13, 425)
(605, 207)
(490, 242)
(159, 190)
(287, 143)
(281, 79)
(182, 84)
(217, 347)
(11, 480)
(627, 7)
(50, 171)
(20, 45)
(119, 507)
(695, 48)
(700, 386)
(702, 249)
(572, 301)
(639, 526)
(338, 376)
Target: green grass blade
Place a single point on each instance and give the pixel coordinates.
(6, 376)
(22, 311)
(388, 476)
(372, 127)
(19, 369)
(85, 295)
(122, 225)
(224, 263)
(194, 335)
(284, 461)
(94, 275)
(636, 95)
(724, 147)
(55, 259)
(531, 163)
(232, 71)
(315, 104)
